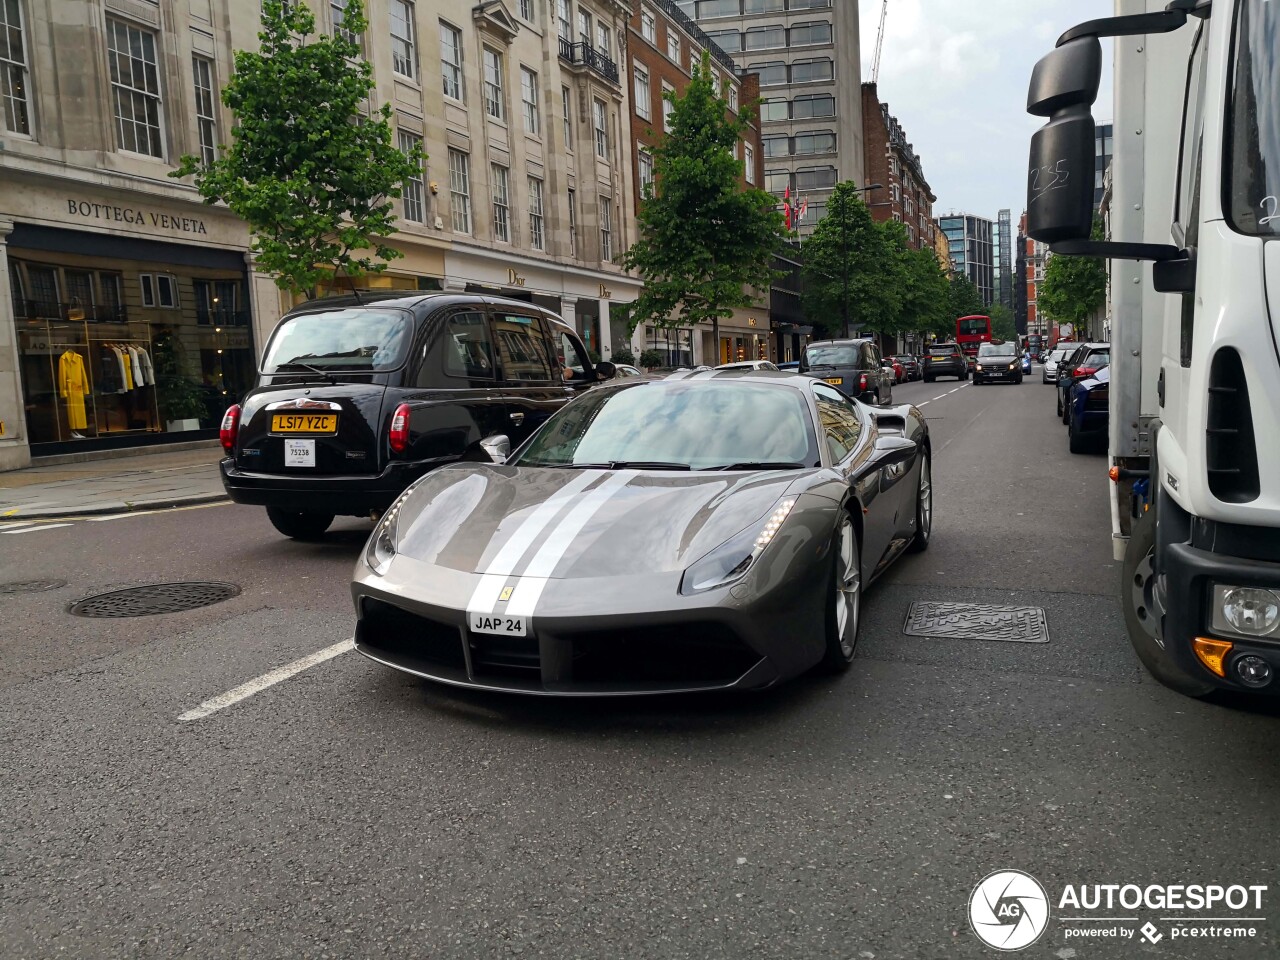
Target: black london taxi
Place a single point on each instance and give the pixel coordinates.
(358, 397)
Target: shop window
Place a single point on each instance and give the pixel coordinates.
(159, 290)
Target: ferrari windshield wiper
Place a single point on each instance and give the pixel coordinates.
(759, 465)
(629, 465)
(328, 377)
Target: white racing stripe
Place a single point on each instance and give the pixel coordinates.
(494, 577)
(533, 579)
(258, 684)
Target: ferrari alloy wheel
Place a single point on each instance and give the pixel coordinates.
(924, 507)
(844, 611)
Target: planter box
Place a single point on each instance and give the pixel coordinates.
(178, 426)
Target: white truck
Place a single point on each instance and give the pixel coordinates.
(1195, 347)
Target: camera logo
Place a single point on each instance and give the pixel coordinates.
(1009, 910)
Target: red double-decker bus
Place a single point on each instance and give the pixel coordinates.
(971, 331)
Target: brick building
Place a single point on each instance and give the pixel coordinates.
(890, 160)
(663, 49)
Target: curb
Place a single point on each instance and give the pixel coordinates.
(138, 506)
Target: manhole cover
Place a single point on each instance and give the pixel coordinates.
(977, 621)
(154, 598)
(31, 586)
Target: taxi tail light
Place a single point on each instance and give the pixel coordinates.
(400, 429)
(230, 428)
(862, 382)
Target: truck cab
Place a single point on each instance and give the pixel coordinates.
(1194, 244)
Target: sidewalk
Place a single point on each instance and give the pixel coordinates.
(145, 482)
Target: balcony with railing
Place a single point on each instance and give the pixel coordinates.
(26, 309)
(693, 30)
(219, 317)
(583, 54)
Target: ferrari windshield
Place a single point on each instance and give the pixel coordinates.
(339, 340)
(702, 425)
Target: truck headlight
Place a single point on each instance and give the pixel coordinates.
(732, 559)
(1246, 611)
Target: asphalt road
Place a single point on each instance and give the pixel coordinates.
(349, 811)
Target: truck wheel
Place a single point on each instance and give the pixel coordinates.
(1144, 624)
(299, 524)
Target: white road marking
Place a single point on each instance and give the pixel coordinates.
(923, 402)
(258, 684)
(15, 526)
(956, 390)
(38, 526)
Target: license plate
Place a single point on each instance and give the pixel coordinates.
(326, 423)
(299, 453)
(836, 380)
(506, 626)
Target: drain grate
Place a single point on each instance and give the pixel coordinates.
(31, 586)
(154, 599)
(977, 621)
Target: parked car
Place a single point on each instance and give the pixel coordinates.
(852, 365)
(748, 365)
(1085, 361)
(1050, 372)
(358, 398)
(910, 366)
(997, 362)
(626, 370)
(793, 365)
(1087, 411)
(945, 360)
(688, 533)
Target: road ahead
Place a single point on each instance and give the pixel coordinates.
(349, 811)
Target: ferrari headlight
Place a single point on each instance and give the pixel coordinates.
(381, 549)
(732, 559)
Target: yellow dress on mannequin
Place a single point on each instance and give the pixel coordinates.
(73, 384)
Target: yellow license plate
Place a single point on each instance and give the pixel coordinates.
(304, 423)
(836, 380)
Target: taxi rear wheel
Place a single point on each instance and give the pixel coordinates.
(299, 524)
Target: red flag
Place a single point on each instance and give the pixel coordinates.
(786, 194)
(787, 207)
(804, 208)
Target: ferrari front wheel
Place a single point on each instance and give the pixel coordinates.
(844, 603)
(924, 507)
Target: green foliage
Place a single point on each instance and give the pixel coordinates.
(706, 245)
(178, 395)
(1073, 287)
(1002, 324)
(965, 301)
(852, 262)
(926, 305)
(308, 171)
(622, 355)
(651, 358)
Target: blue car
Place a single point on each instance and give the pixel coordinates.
(1087, 412)
(789, 365)
(1026, 364)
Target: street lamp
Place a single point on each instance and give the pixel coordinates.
(844, 246)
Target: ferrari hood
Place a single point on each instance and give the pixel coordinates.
(558, 523)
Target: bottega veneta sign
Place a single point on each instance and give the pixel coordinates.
(161, 221)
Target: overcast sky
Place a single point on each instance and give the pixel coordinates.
(955, 75)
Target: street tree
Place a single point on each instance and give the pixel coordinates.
(1073, 287)
(706, 243)
(309, 169)
(851, 269)
(925, 294)
(965, 301)
(1002, 323)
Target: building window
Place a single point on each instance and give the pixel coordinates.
(749, 162)
(337, 11)
(404, 59)
(673, 45)
(606, 228)
(159, 290)
(772, 73)
(812, 105)
(563, 25)
(602, 133)
(719, 8)
(573, 223)
(644, 161)
(668, 106)
(460, 190)
(501, 204)
(493, 83)
(765, 38)
(776, 146)
(529, 100)
(730, 41)
(817, 141)
(135, 88)
(648, 26)
(815, 178)
(451, 60)
(411, 193)
(774, 110)
(812, 71)
(733, 98)
(777, 181)
(808, 34)
(602, 39)
(537, 236)
(568, 122)
(526, 10)
(584, 27)
(206, 118)
(643, 95)
(13, 68)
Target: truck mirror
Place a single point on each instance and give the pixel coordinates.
(1060, 170)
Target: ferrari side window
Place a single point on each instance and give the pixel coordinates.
(841, 425)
